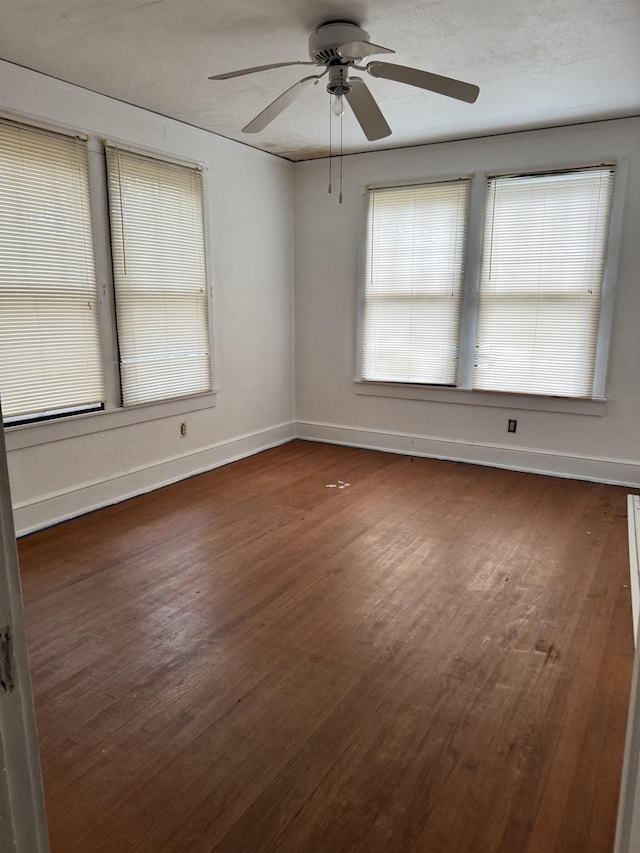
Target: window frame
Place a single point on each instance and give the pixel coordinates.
(193, 167)
(114, 414)
(463, 392)
(464, 179)
(53, 170)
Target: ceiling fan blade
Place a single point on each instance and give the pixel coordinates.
(424, 80)
(229, 74)
(281, 103)
(366, 110)
(360, 49)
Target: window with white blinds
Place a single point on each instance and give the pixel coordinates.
(158, 251)
(415, 255)
(50, 357)
(541, 282)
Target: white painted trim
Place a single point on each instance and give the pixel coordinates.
(32, 124)
(628, 825)
(153, 154)
(610, 274)
(61, 505)
(471, 287)
(22, 821)
(633, 513)
(99, 211)
(45, 432)
(467, 396)
(476, 225)
(621, 472)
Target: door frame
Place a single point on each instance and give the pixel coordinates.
(23, 826)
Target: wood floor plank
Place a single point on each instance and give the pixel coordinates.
(328, 649)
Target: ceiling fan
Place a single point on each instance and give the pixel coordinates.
(341, 47)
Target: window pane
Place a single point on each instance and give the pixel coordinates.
(541, 282)
(157, 236)
(49, 330)
(415, 250)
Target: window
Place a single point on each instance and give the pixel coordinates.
(415, 249)
(157, 241)
(517, 310)
(58, 332)
(50, 357)
(541, 282)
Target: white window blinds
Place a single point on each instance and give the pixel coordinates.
(157, 238)
(541, 282)
(415, 251)
(50, 356)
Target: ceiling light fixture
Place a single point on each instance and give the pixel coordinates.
(339, 47)
(337, 107)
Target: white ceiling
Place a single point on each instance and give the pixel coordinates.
(538, 63)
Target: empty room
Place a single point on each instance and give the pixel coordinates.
(320, 471)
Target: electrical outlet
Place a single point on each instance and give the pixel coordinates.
(512, 425)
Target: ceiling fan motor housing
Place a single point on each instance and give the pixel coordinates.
(327, 38)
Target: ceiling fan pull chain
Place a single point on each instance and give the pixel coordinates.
(340, 196)
(330, 151)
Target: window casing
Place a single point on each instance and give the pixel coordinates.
(82, 200)
(541, 282)
(50, 356)
(415, 248)
(587, 292)
(159, 271)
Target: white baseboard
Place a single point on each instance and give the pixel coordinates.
(619, 472)
(59, 506)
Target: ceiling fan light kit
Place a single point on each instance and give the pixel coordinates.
(339, 47)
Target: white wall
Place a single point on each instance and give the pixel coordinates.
(251, 233)
(250, 223)
(327, 239)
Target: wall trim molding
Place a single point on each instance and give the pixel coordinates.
(633, 515)
(598, 469)
(54, 507)
(470, 397)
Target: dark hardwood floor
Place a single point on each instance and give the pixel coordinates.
(435, 658)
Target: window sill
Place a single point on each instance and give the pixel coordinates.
(30, 435)
(527, 402)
